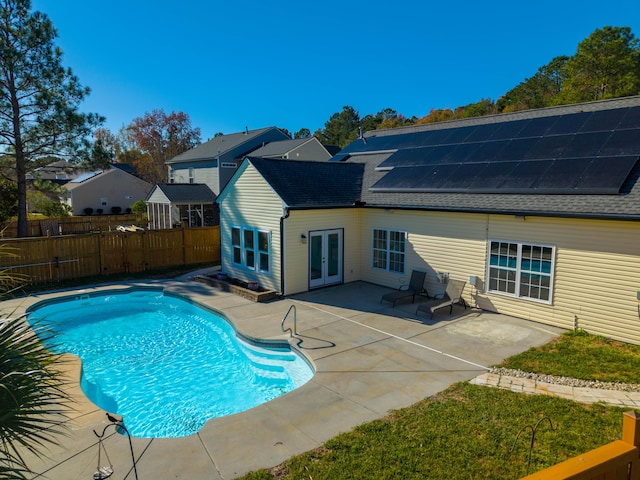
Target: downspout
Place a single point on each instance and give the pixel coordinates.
(282, 257)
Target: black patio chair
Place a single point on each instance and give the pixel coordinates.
(415, 287)
(452, 296)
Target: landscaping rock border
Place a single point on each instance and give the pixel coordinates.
(572, 382)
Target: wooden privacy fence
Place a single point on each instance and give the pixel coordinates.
(66, 257)
(617, 460)
(69, 225)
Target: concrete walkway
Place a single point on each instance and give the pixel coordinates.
(616, 398)
(369, 358)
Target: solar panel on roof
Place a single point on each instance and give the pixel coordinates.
(585, 152)
(562, 174)
(603, 120)
(548, 147)
(631, 118)
(508, 130)
(621, 142)
(537, 127)
(482, 133)
(606, 174)
(524, 175)
(570, 123)
(458, 135)
(491, 176)
(585, 144)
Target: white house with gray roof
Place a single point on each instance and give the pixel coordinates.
(537, 211)
(214, 162)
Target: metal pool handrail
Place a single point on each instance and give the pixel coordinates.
(294, 331)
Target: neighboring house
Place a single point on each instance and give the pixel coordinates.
(103, 191)
(59, 172)
(296, 149)
(171, 205)
(538, 211)
(214, 162)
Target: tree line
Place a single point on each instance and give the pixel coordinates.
(605, 65)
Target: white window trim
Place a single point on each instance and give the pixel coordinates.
(389, 251)
(518, 271)
(192, 175)
(256, 249)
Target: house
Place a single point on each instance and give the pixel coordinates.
(172, 205)
(59, 172)
(214, 162)
(109, 191)
(294, 149)
(537, 211)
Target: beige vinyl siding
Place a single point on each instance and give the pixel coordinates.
(597, 274)
(297, 252)
(596, 270)
(252, 203)
(432, 239)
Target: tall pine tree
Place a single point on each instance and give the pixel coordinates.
(39, 98)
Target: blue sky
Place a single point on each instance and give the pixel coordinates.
(292, 64)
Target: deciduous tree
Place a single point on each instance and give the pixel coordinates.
(160, 137)
(39, 98)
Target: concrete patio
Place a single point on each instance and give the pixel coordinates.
(369, 358)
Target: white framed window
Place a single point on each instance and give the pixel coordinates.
(192, 175)
(251, 248)
(522, 270)
(172, 178)
(388, 250)
(104, 201)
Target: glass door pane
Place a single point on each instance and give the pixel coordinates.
(316, 256)
(333, 254)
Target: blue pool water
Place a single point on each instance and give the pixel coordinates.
(164, 364)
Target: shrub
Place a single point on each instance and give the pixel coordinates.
(88, 211)
(99, 211)
(116, 210)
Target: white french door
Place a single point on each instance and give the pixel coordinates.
(325, 257)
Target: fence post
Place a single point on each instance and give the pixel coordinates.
(631, 435)
(184, 246)
(631, 428)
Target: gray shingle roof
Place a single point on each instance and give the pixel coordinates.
(187, 192)
(303, 184)
(218, 145)
(278, 148)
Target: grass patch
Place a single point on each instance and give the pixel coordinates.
(468, 431)
(465, 432)
(582, 355)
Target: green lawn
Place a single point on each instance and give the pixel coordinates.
(468, 431)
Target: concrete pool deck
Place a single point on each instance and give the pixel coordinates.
(369, 359)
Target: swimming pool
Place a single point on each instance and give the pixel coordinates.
(164, 364)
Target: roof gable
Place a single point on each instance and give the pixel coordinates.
(225, 143)
(184, 193)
